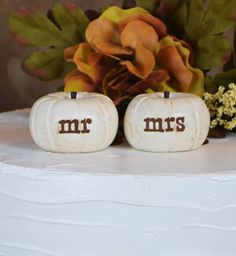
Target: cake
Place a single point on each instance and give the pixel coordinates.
(119, 201)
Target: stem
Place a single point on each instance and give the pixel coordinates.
(73, 95)
(166, 94)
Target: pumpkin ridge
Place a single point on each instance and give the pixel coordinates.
(54, 101)
(105, 113)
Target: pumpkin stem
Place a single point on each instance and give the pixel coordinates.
(73, 95)
(166, 94)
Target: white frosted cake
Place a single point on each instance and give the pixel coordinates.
(115, 202)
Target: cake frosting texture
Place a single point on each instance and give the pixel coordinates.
(115, 202)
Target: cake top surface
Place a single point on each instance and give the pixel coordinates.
(17, 149)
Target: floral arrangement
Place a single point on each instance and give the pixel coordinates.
(222, 107)
(144, 46)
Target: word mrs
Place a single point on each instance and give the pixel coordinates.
(75, 126)
(170, 124)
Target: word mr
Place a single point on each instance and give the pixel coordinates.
(74, 126)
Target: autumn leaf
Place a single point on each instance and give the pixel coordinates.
(202, 24)
(47, 65)
(50, 35)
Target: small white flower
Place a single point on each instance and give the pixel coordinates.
(222, 107)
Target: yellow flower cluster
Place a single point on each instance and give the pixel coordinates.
(222, 107)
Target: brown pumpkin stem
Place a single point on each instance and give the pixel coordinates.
(73, 95)
(166, 94)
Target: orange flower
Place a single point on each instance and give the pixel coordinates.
(91, 68)
(129, 52)
(130, 36)
(121, 85)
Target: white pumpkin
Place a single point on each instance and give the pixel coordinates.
(166, 122)
(73, 122)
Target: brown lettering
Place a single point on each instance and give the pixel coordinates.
(168, 121)
(73, 126)
(156, 124)
(85, 122)
(69, 126)
(151, 125)
(180, 124)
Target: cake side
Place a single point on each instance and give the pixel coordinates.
(134, 202)
(64, 214)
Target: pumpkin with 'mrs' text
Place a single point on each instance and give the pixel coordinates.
(166, 122)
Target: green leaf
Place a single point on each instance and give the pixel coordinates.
(175, 4)
(202, 24)
(64, 27)
(221, 79)
(71, 20)
(149, 5)
(176, 22)
(210, 17)
(230, 64)
(33, 29)
(220, 15)
(195, 12)
(209, 84)
(47, 65)
(212, 51)
(179, 17)
(225, 78)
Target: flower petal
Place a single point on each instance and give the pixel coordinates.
(71, 74)
(171, 60)
(145, 35)
(142, 86)
(156, 23)
(104, 36)
(82, 52)
(93, 64)
(70, 52)
(110, 48)
(117, 82)
(117, 15)
(180, 72)
(98, 59)
(159, 75)
(143, 63)
(102, 63)
(81, 60)
(77, 82)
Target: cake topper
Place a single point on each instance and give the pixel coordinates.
(73, 122)
(166, 122)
